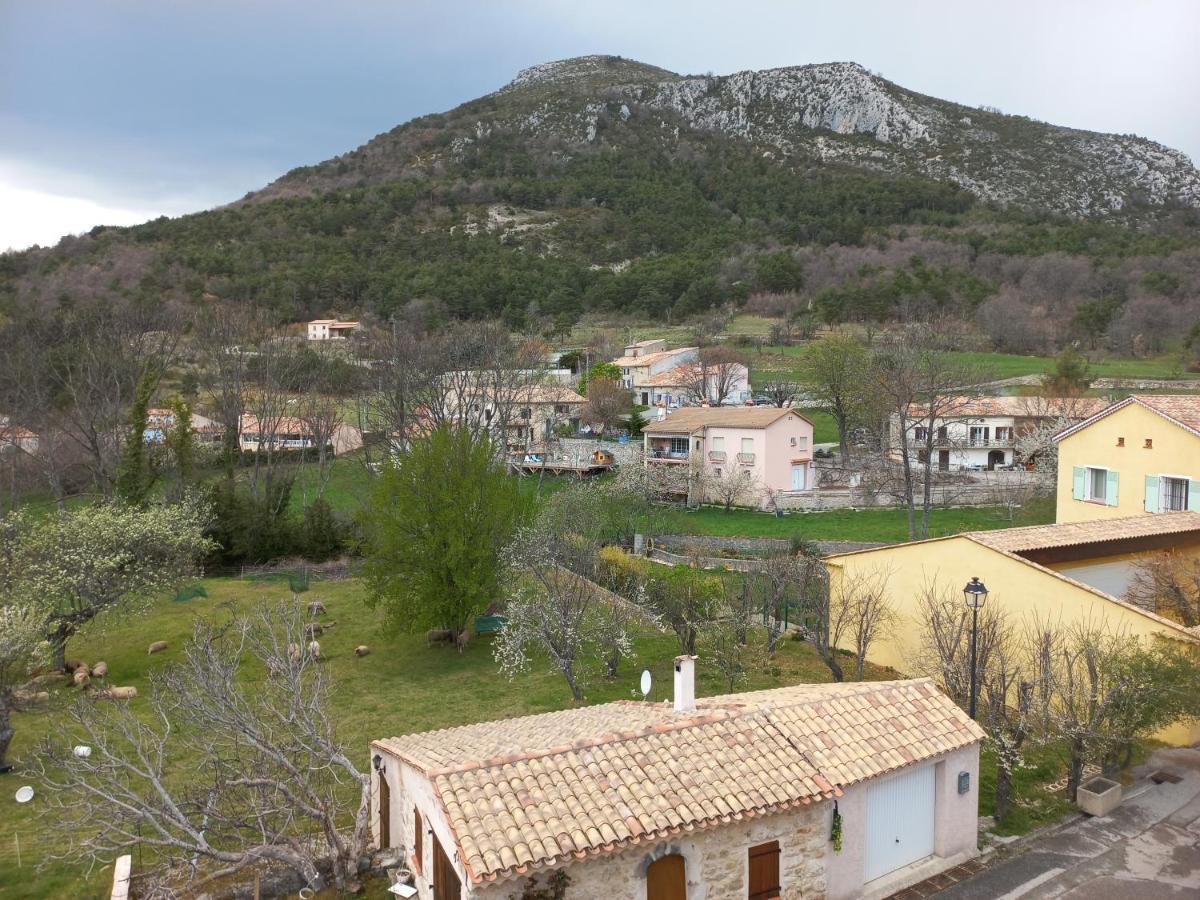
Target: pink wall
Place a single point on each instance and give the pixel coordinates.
(774, 451)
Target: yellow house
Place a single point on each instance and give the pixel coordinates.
(1068, 573)
(1139, 456)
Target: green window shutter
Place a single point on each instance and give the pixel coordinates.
(1079, 473)
(1110, 493)
(1194, 494)
(1152, 493)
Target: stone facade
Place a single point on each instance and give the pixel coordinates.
(716, 862)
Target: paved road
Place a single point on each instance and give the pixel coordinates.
(1149, 847)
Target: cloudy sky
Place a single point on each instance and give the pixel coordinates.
(115, 111)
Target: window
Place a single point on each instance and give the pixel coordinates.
(1120, 442)
(764, 872)
(679, 446)
(1097, 485)
(418, 841)
(1174, 494)
(803, 445)
(978, 435)
(747, 445)
(1004, 433)
(920, 433)
(718, 443)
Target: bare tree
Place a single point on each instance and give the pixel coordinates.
(227, 337)
(922, 386)
(870, 610)
(779, 390)
(786, 581)
(735, 487)
(826, 617)
(267, 783)
(724, 370)
(608, 403)
(1168, 583)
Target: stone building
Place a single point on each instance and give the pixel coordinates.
(724, 797)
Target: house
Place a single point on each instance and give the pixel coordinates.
(721, 797)
(159, 423)
(1073, 573)
(15, 439)
(330, 329)
(771, 448)
(530, 411)
(292, 433)
(982, 433)
(645, 359)
(693, 383)
(1136, 457)
(540, 410)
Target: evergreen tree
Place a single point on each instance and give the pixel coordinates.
(134, 476)
(183, 446)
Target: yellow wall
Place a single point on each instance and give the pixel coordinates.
(1024, 591)
(1175, 451)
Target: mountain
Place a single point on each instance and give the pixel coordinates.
(601, 184)
(834, 112)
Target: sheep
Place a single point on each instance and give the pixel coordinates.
(72, 664)
(362, 650)
(157, 647)
(30, 698)
(116, 693)
(314, 649)
(100, 669)
(294, 652)
(313, 629)
(439, 636)
(81, 678)
(315, 608)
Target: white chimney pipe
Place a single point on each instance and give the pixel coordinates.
(685, 684)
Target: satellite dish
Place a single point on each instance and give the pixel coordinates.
(24, 794)
(83, 751)
(646, 683)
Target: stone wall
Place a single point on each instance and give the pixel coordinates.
(582, 448)
(715, 860)
(711, 546)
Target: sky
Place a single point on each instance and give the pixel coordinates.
(118, 111)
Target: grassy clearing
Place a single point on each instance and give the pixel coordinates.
(1034, 805)
(885, 525)
(786, 361)
(403, 686)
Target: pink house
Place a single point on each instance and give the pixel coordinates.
(767, 448)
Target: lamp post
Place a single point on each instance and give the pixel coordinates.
(975, 595)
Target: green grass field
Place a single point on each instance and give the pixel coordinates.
(402, 686)
(884, 525)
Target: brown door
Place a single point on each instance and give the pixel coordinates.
(944, 460)
(385, 813)
(446, 885)
(764, 871)
(666, 879)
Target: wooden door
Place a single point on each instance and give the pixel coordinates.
(764, 871)
(385, 813)
(446, 885)
(666, 879)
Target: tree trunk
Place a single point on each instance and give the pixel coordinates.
(1003, 790)
(58, 647)
(6, 729)
(829, 656)
(614, 660)
(568, 671)
(1074, 769)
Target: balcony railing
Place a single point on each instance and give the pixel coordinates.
(999, 443)
(667, 455)
(717, 456)
(746, 459)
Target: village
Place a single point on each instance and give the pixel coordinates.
(812, 716)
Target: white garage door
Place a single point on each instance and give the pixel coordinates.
(899, 821)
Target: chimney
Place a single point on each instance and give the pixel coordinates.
(685, 684)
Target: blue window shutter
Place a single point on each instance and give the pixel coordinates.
(1110, 493)
(1152, 493)
(1078, 475)
(1194, 494)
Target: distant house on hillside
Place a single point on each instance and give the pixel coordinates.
(14, 438)
(291, 433)
(642, 360)
(982, 433)
(330, 329)
(693, 383)
(723, 797)
(160, 421)
(770, 448)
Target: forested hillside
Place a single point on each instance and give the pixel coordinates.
(577, 190)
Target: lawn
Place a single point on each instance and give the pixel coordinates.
(786, 360)
(884, 525)
(402, 686)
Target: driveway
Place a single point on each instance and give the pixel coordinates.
(1149, 847)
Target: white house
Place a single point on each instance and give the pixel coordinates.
(292, 433)
(731, 796)
(330, 329)
(645, 359)
(981, 433)
(693, 383)
(14, 438)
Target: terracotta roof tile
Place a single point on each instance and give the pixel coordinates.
(1067, 534)
(693, 418)
(1182, 409)
(643, 771)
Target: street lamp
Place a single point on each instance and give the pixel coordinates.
(975, 594)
